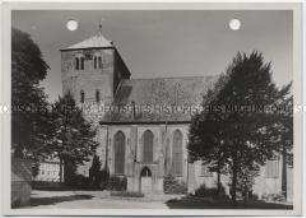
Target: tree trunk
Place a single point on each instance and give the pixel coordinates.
(219, 174)
(234, 183)
(219, 182)
(61, 170)
(284, 173)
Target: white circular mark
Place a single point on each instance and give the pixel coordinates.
(72, 25)
(235, 24)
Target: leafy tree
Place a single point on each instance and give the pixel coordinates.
(74, 137)
(29, 106)
(239, 131)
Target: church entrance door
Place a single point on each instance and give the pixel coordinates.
(146, 181)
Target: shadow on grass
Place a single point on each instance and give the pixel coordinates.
(57, 199)
(207, 204)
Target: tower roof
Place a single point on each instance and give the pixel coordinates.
(96, 41)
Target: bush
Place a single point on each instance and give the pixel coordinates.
(127, 194)
(172, 186)
(117, 183)
(103, 179)
(203, 191)
(41, 185)
(273, 197)
(80, 181)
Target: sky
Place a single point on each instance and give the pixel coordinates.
(165, 43)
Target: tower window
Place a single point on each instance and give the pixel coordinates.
(77, 63)
(82, 63)
(97, 96)
(95, 62)
(82, 98)
(100, 62)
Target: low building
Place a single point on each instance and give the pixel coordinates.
(49, 171)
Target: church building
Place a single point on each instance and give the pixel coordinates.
(143, 123)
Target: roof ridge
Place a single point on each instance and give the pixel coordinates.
(172, 77)
(95, 41)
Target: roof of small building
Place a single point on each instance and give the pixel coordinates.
(158, 99)
(96, 41)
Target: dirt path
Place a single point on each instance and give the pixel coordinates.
(92, 200)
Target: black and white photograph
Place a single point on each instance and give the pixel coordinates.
(163, 109)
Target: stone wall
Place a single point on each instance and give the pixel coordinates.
(163, 135)
(89, 79)
(21, 178)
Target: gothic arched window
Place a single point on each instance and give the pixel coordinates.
(82, 96)
(95, 62)
(82, 63)
(97, 96)
(119, 147)
(100, 62)
(148, 138)
(77, 63)
(177, 153)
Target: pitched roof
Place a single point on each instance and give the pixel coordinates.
(96, 41)
(161, 99)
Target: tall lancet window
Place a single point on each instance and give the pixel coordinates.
(119, 147)
(82, 63)
(97, 96)
(95, 62)
(77, 63)
(177, 153)
(82, 96)
(100, 62)
(148, 138)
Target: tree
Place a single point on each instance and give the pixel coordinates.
(29, 106)
(74, 137)
(240, 130)
(206, 132)
(94, 171)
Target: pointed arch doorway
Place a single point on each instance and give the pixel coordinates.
(146, 182)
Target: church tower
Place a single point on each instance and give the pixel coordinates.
(92, 70)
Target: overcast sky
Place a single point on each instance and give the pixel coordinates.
(165, 43)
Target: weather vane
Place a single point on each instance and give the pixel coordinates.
(100, 24)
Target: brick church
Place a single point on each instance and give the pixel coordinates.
(143, 123)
